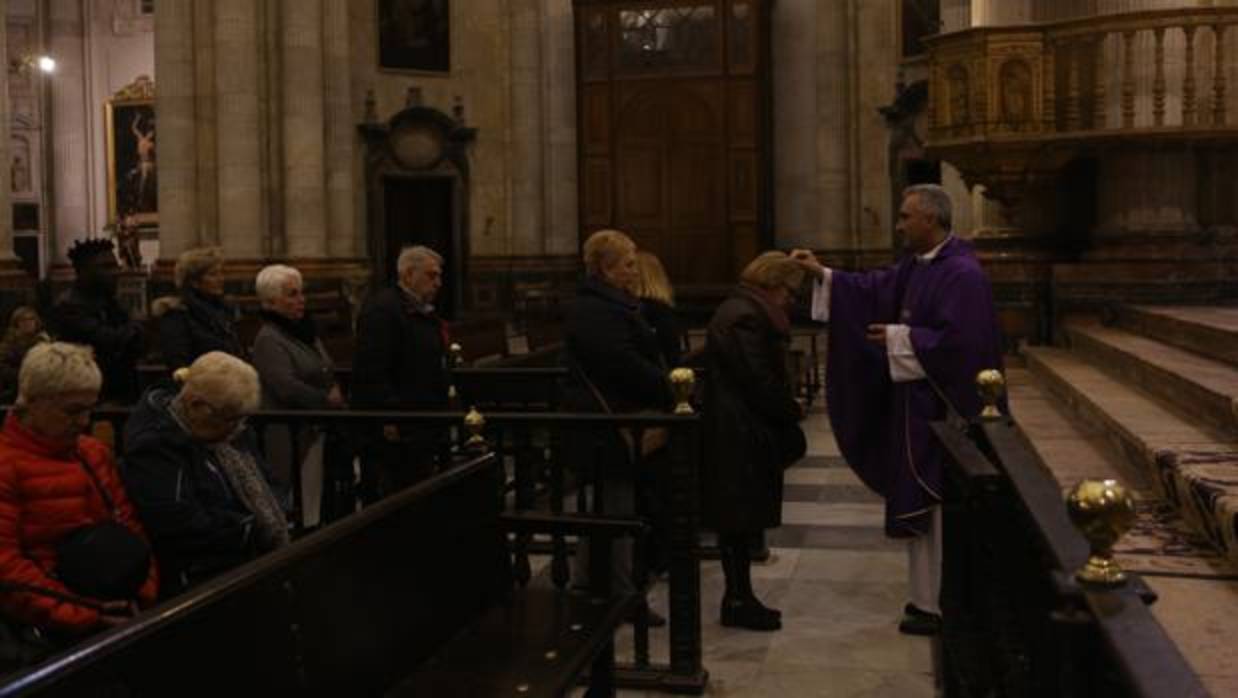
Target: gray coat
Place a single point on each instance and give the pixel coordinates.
(295, 376)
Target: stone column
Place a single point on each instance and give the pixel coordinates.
(239, 124)
(341, 230)
(6, 116)
(796, 205)
(305, 205)
(174, 102)
(528, 219)
(834, 128)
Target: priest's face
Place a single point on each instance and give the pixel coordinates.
(917, 224)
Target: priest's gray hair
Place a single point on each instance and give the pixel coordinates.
(415, 256)
(52, 368)
(935, 199)
(271, 281)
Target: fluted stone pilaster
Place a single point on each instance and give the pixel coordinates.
(304, 175)
(6, 221)
(238, 115)
(174, 101)
(528, 223)
(341, 230)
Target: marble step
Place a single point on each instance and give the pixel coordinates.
(1197, 595)
(1189, 465)
(1200, 387)
(1210, 331)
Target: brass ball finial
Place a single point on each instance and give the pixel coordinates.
(992, 386)
(683, 382)
(1103, 511)
(475, 423)
(457, 354)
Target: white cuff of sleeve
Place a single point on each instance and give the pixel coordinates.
(821, 297)
(904, 366)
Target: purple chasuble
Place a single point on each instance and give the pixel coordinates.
(881, 426)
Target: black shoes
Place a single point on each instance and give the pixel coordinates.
(918, 622)
(750, 614)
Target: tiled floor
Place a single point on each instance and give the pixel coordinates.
(841, 586)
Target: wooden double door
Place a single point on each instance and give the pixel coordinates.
(674, 131)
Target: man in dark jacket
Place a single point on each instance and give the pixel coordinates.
(401, 364)
(88, 314)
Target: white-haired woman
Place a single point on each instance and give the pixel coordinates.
(55, 481)
(198, 320)
(297, 374)
(194, 472)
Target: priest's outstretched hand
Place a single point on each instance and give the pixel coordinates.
(809, 261)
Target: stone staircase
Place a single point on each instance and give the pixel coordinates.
(1161, 384)
(1149, 398)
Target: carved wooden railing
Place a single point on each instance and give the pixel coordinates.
(1008, 102)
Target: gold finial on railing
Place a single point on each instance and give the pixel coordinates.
(475, 423)
(457, 355)
(683, 381)
(1103, 511)
(992, 386)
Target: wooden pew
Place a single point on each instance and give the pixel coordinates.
(412, 596)
(1015, 620)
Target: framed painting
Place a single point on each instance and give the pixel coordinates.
(414, 35)
(132, 184)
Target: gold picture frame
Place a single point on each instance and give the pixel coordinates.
(132, 183)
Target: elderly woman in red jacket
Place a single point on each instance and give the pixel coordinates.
(73, 557)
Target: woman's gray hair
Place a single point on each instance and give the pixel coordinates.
(415, 256)
(270, 282)
(53, 368)
(935, 200)
(194, 264)
(222, 380)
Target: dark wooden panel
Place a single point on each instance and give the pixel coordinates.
(640, 184)
(741, 106)
(595, 205)
(593, 45)
(742, 171)
(701, 256)
(696, 186)
(595, 121)
(745, 245)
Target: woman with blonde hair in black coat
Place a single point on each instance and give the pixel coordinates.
(752, 426)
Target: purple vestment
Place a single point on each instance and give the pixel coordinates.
(881, 426)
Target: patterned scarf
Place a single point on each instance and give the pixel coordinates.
(241, 470)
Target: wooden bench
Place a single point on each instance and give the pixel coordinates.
(412, 596)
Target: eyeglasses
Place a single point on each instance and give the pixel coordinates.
(222, 416)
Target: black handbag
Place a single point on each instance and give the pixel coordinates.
(104, 560)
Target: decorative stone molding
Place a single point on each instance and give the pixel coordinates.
(142, 88)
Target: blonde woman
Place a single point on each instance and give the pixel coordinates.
(55, 482)
(657, 304)
(752, 425)
(194, 472)
(199, 320)
(615, 366)
(25, 331)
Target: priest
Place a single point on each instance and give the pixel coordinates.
(905, 345)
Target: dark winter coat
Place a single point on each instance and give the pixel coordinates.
(608, 342)
(401, 359)
(661, 317)
(198, 525)
(118, 342)
(194, 324)
(752, 428)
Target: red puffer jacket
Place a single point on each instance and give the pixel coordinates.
(45, 494)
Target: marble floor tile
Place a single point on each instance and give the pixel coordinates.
(851, 566)
(821, 476)
(780, 683)
(833, 514)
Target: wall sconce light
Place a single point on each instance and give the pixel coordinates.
(43, 63)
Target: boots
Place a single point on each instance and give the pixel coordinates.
(740, 607)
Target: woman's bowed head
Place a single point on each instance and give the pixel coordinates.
(218, 392)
